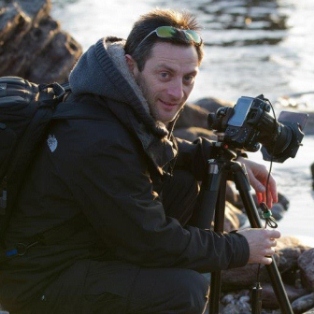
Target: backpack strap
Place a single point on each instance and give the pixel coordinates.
(78, 109)
(58, 90)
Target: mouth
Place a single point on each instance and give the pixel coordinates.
(168, 104)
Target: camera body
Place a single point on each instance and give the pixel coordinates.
(241, 129)
(248, 124)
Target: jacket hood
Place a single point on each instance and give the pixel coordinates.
(99, 71)
(102, 70)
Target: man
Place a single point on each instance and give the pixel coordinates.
(134, 185)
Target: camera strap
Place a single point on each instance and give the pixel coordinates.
(257, 289)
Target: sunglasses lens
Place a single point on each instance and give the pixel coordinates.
(172, 32)
(165, 32)
(193, 36)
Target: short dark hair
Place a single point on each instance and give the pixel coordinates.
(149, 22)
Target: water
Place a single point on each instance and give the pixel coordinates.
(252, 48)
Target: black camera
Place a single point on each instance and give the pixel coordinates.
(248, 124)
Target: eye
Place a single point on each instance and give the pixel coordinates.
(164, 75)
(189, 79)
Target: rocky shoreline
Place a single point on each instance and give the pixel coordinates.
(34, 46)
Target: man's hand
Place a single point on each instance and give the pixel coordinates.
(258, 174)
(262, 244)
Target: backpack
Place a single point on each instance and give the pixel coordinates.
(26, 109)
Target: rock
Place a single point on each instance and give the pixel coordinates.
(238, 302)
(191, 133)
(288, 251)
(211, 104)
(269, 299)
(241, 277)
(234, 218)
(312, 173)
(306, 265)
(278, 211)
(303, 303)
(32, 44)
(283, 201)
(238, 281)
(192, 115)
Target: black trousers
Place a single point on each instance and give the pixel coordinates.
(121, 288)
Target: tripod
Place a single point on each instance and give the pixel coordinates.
(221, 169)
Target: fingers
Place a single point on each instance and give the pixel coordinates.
(266, 260)
(269, 196)
(259, 177)
(270, 248)
(272, 234)
(270, 251)
(262, 243)
(273, 242)
(272, 190)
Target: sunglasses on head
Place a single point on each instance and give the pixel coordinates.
(189, 35)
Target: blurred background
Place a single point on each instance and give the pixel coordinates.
(252, 47)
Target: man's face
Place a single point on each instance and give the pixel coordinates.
(167, 79)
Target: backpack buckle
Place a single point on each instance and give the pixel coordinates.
(20, 249)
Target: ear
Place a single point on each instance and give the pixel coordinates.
(131, 63)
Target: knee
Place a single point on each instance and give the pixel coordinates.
(194, 290)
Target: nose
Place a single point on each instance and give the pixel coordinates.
(176, 89)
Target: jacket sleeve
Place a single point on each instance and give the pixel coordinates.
(193, 156)
(111, 180)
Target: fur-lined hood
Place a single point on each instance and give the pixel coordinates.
(102, 70)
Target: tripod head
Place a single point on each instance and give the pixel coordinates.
(223, 152)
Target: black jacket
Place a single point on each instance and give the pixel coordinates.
(111, 168)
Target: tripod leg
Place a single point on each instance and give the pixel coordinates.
(215, 284)
(243, 187)
(213, 192)
(209, 196)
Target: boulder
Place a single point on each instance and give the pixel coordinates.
(306, 265)
(32, 44)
